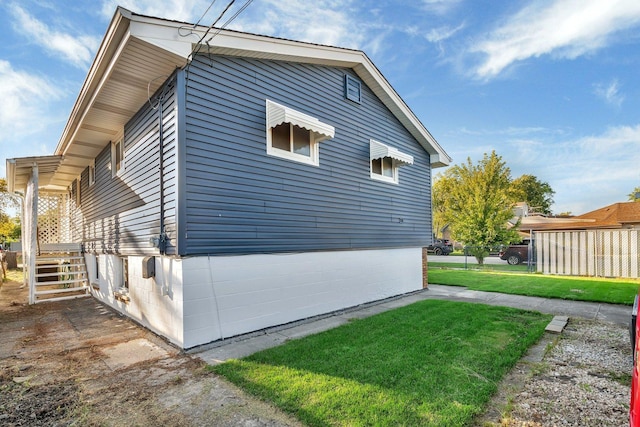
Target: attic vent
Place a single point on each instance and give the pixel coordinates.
(352, 89)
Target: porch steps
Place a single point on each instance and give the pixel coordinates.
(60, 274)
(55, 259)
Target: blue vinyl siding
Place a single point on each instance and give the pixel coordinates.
(120, 214)
(237, 199)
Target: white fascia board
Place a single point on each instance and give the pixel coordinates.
(90, 97)
(11, 175)
(180, 38)
(285, 50)
(163, 36)
(115, 32)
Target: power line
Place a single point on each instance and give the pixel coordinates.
(218, 30)
(215, 22)
(205, 13)
(246, 4)
(190, 28)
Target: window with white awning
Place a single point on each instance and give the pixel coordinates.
(385, 161)
(294, 135)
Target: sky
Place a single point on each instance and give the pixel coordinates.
(551, 85)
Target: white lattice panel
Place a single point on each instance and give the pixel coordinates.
(53, 218)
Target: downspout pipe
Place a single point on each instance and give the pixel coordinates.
(162, 244)
(161, 241)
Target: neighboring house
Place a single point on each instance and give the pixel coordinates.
(222, 184)
(625, 215)
(603, 242)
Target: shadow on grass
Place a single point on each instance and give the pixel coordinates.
(430, 363)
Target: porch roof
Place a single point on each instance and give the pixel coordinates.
(19, 172)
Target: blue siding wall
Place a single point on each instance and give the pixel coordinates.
(240, 200)
(120, 214)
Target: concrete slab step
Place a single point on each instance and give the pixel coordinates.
(557, 324)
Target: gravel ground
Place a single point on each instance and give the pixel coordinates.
(584, 380)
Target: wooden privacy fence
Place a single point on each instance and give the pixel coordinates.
(602, 253)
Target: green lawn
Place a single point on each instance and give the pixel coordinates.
(615, 291)
(473, 265)
(433, 363)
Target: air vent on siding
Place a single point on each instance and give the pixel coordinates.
(352, 89)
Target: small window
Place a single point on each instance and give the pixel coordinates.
(352, 89)
(117, 157)
(92, 173)
(383, 166)
(125, 273)
(291, 138)
(386, 160)
(294, 135)
(78, 192)
(122, 293)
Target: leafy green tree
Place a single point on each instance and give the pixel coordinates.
(6, 200)
(9, 228)
(537, 194)
(477, 203)
(634, 196)
(439, 194)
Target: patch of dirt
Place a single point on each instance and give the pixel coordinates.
(55, 370)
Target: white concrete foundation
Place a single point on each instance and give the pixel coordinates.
(197, 300)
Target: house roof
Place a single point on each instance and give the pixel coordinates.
(138, 53)
(617, 215)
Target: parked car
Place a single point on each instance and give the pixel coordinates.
(515, 254)
(440, 247)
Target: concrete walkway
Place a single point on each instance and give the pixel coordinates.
(245, 345)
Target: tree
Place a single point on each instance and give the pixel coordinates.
(6, 200)
(537, 194)
(9, 228)
(440, 191)
(634, 196)
(476, 201)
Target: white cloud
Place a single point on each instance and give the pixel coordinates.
(592, 171)
(512, 131)
(610, 93)
(564, 28)
(439, 7)
(25, 98)
(179, 10)
(620, 142)
(78, 50)
(298, 20)
(436, 35)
